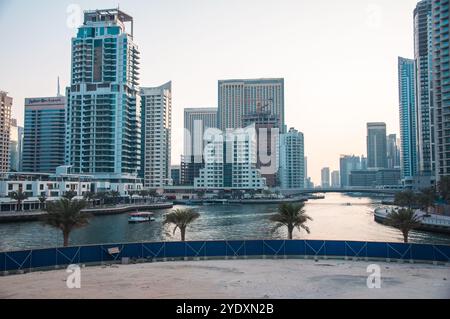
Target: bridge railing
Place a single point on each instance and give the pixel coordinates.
(23, 261)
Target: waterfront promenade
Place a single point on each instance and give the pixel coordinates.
(236, 279)
(21, 216)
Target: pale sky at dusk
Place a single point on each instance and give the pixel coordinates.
(338, 58)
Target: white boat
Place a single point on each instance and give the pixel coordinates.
(143, 217)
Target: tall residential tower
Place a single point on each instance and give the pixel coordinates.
(5, 123)
(103, 114)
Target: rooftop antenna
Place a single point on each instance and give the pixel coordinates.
(59, 89)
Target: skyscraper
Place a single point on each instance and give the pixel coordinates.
(156, 106)
(238, 98)
(393, 152)
(325, 173)
(292, 160)
(15, 146)
(5, 122)
(103, 114)
(408, 116)
(423, 71)
(196, 122)
(44, 134)
(441, 86)
(335, 181)
(347, 164)
(376, 145)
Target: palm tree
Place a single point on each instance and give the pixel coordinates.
(115, 195)
(102, 197)
(42, 200)
(181, 218)
(444, 187)
(90, 197)
(403, 219)
(405, 199)
(291, 216)
(18, 196)
(70, 195)
(66, 215)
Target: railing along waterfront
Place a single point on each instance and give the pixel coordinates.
(54, 258)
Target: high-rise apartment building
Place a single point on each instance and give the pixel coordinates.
(238, 98)
(347, 164)
(230, 162)
(15, 147)
(156, 107)
(292, 160)
(44, 134)
(441, 86)
(5, 123)
(196, 122)
(376, 145)
(335, 181)
(393, 152)
(325, 173)
(423, 42)
(408, 116)
(103, 114)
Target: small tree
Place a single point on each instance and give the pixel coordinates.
(114, 195)
(18, 196)
(90, 197)
(70, 195)
(426, 198)
(66, 215)
(42, 200)
(444, 188)
(181, 218)
(405, 199)
(291, 216)
(403, 219)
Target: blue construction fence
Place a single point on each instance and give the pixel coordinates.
(95, 254)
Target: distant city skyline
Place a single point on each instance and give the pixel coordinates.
(179, 42)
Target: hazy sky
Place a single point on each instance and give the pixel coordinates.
(338, 58)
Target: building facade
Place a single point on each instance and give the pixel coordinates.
(292, 160)
(5, 123)
(196, 122)
(347, 164)
(393, 152)
(238, 98)
(103, 114)
(423, 42)
(408, 116)
(44, 134)
(325, 177)
(376, 145)
(156, 107)
(441, 86)
(230, 163)
(15, 147)
(335, 180)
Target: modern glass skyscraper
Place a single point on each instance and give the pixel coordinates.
(15, 146)
(325, 174)
(423, 71)
(441, 86)
(347, 164)
(156, 106)
(376, 145)
(44, 133)
(103, 114)
(393, 152)
(238, 98)
(408, 116)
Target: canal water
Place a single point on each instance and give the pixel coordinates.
(337, 217)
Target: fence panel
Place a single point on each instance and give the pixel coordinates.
(24, 260)
(254, 247)
(43, 258)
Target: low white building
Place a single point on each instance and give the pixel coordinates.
(230, 162)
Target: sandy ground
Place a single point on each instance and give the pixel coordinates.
(232, 279)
